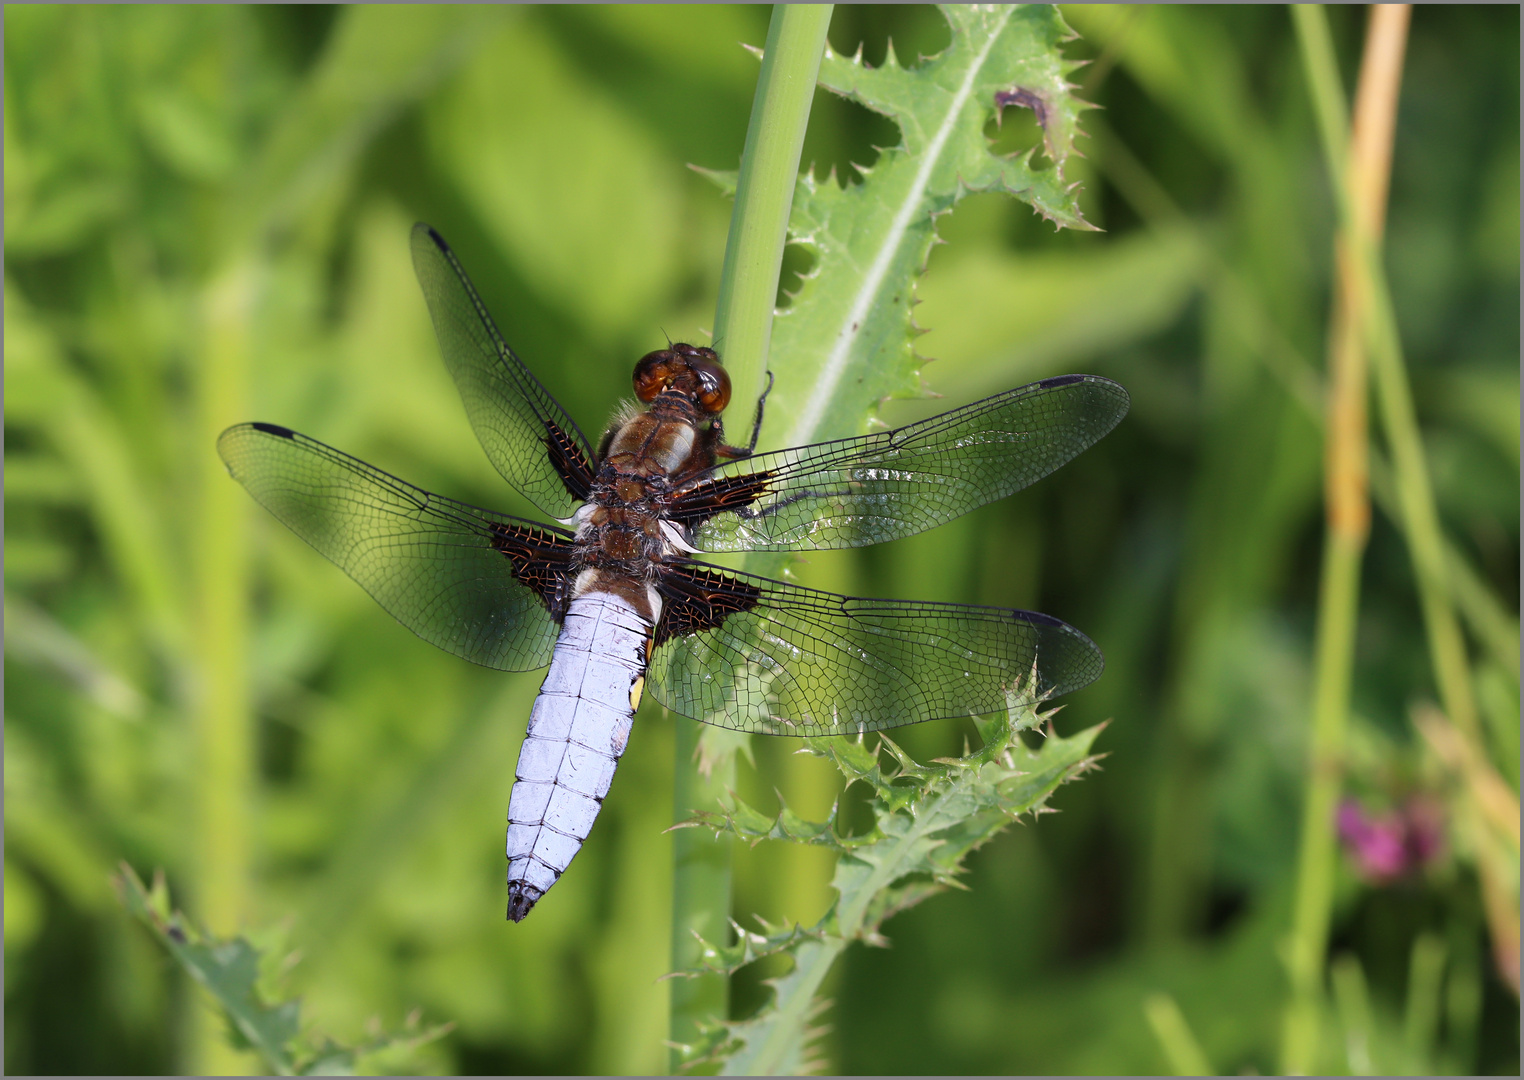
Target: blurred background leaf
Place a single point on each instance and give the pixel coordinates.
(149, 149)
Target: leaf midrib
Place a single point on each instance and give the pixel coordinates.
(831, 372)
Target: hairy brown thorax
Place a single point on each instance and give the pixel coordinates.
(644, 460)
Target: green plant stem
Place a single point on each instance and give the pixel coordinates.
(1359, 174)
(1354, 1007)
(1426, 971)
(780, 112)
(1317, 854)
(700, 890)
(1180, 1047)
(1399, 422)
(222, 787)
(796, 41)
(1495, 627)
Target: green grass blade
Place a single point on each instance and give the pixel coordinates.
(1179, 1044)
(1415, 492)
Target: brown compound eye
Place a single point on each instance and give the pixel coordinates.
(654, 371)
(713, 392)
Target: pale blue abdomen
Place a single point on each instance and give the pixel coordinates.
(577, 731)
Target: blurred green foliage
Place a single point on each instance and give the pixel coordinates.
(152, 151)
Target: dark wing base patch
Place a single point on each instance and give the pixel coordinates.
(542, 561)
(889, 484)
(437, 565)
(697, 599)
(567, 458)
(716, 496)
(509, 409)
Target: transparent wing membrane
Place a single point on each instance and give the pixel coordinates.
(464, 579)
(527, 436)
(786, 660)
(891, 484)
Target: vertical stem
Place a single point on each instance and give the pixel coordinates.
(1399, 422)
(1175, 1037)
(1361, 182)
(1426, 972)
(1420, 517)
(796, 41)
(1317, 856)
(223, 781)
(700, 891)
(780, 112)
(1354, 1009)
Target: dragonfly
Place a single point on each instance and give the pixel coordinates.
(610, 593)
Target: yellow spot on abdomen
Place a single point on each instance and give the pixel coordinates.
(636, 689)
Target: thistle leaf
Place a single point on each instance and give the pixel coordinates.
(749, 947)
(926, 820)
(746, 822)
(844, 344)
(238, 974)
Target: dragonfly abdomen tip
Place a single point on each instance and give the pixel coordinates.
(522, 897)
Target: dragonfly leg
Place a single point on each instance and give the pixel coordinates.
(721, 450)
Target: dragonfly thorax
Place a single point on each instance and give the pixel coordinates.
(622, 537)
(660, 442)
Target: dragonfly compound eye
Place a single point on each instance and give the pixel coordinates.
(713, 390)
(654, 372)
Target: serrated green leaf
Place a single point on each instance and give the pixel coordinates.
(855, 759)
(803, 831)
(750, 823)
(238, 974)
(228, 969)
(746, 822)
(749, 947)
(927, 818)
(898, 897)
(860, 764)
(332, 1061)
(727, 180)
(844, 344)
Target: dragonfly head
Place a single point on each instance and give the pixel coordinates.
(691, 371)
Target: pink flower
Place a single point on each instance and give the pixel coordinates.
(1389, 846)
